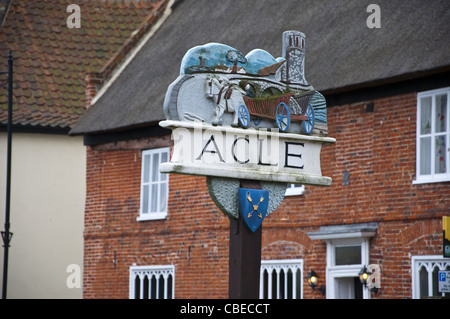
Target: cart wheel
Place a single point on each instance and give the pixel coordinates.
(282, 117)
(309, 124)
(243, 115)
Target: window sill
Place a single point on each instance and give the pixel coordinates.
(151, 216)
(297, 193)
(431, 180)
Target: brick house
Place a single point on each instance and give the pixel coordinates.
(149, 235)
(49, 95)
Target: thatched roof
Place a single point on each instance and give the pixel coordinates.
(342, 53)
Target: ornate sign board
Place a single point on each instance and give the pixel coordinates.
(252, 117)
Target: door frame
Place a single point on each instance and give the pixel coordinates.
(333, 272)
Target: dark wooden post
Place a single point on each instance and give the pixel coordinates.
(245, 257)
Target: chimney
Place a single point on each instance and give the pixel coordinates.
(294, 52)
(93, 80)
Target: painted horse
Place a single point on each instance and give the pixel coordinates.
(226, 96)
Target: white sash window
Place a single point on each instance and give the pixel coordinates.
(154, 185)
(152, 282)
(295, 189)
(281, 279)
(433, 136)
(425, 271)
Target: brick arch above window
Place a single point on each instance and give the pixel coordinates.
(420, 229)
(282, 249)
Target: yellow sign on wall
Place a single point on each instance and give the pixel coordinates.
(446, 235)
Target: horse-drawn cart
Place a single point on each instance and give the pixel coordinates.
(277, 108)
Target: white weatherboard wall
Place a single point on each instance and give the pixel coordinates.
(47, 211)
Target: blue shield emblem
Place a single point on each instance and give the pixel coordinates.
(253, 204)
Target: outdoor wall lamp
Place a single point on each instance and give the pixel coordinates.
(313, 278)
(363, 276)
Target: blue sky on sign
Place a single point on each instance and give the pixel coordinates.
(206, 57)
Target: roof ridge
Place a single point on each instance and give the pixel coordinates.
(128, 3)
(93, 79)
(129, 44)
(4, 9)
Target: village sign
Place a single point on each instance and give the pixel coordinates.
(252, 117)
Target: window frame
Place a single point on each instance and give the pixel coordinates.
(429, 262)
(433, 177)
(277, 265)
(345, 235)
(334, 271)
(153, 215)
(159, 270)
(294, 189)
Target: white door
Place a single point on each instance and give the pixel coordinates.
(344, 288)
(347, 288)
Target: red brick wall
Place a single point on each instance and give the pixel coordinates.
(379, 151)
(376, 148)
(194, 237)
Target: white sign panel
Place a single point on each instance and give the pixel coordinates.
(202, 149)
(444, 281)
